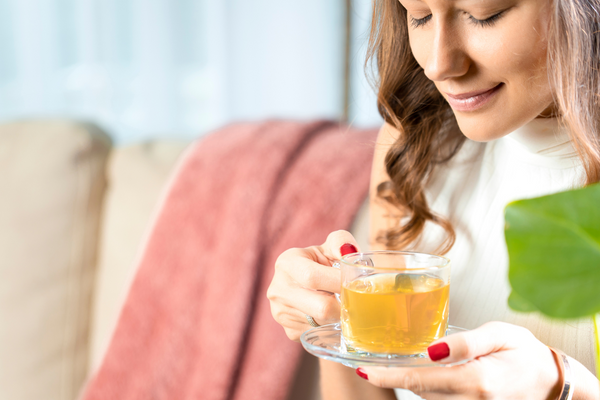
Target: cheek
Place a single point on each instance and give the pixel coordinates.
(513, 54)
(511, 58)
(419, 46)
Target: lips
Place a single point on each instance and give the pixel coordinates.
(471, 101)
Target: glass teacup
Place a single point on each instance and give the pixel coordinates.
(393, 303)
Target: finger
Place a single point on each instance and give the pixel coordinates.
(299, 264)
(289, 317)
(297, 319)
(451, 381)
(488, 338)
(338, 244)
(295, 330)
(294, 321)
(442, 396)
(323, 307)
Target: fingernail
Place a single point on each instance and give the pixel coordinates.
(360, 372)
(438, 351)
(348, 248)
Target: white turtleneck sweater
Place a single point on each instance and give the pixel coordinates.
(472, 191)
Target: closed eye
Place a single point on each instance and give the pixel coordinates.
(488, 21)
(419, 22)
(416, 23)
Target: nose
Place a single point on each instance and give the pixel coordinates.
(448, 57)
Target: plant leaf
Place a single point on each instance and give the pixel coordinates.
(554, 252)
(517, 303)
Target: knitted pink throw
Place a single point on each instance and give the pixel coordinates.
(196, 323)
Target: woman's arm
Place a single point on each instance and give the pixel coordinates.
(382, 215)
(340, 382)
(585, 383)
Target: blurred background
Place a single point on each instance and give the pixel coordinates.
(98, 100)
(179, 68)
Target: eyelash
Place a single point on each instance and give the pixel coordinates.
(417, 23)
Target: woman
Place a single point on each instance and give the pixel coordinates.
(485, 101)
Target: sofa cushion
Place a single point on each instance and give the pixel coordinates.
(137, 175)
(52, 184)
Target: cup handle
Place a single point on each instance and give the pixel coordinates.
(337, 265)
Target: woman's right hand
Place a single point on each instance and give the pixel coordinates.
(304, 284)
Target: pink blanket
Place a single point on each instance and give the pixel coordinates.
(196, 323)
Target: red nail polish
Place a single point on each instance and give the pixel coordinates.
(360, 372)
(347, 249)
(438, 351)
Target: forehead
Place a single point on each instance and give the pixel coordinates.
(465, 5)
(455, 2)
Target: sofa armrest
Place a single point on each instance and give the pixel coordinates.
(52, 186)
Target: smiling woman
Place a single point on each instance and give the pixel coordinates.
(482, 56)
(485, 102)
(478, 70)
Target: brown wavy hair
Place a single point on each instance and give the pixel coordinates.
(410, 102)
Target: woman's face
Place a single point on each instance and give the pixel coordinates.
(486, 57)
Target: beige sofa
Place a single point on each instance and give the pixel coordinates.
(74, 210)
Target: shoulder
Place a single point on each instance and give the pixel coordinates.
(387, 137)
(381, 212)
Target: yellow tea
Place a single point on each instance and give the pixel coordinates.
(394, 313)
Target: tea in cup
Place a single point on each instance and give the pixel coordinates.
(393, 303)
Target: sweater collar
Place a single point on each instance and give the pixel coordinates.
(544, 137)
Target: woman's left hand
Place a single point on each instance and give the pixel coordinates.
(508, 362)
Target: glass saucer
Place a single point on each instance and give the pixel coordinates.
(325, 342)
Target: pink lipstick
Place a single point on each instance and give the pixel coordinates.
(472, 101)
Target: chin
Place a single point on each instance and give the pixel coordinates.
(493, 124)
(483, 131)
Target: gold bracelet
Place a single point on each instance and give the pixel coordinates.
(567, 383)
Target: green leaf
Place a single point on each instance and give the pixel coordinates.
(596, 319)
(518, 303)
(554, 252)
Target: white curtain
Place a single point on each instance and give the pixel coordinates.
(179, 68)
